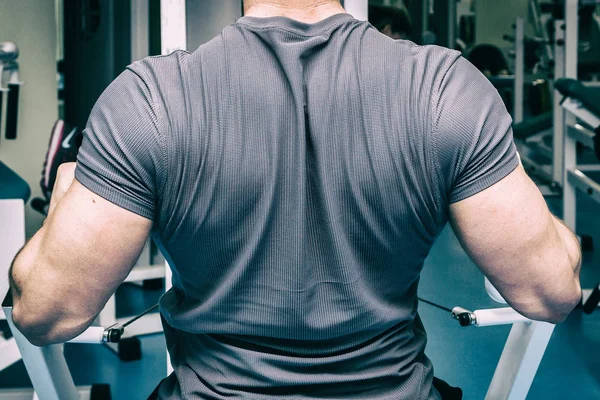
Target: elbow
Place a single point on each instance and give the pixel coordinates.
(35, 330)
(44, 329)
(553, 309)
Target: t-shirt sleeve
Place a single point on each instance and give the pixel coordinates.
(473, 133)
(121, 154)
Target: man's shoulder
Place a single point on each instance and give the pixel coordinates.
(429, 58)
(164, 76)
(156, 67)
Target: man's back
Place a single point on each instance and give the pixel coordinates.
(301, 174)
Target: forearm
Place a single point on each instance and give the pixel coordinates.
(39, 312)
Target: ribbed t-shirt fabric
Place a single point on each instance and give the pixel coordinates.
(297, 176)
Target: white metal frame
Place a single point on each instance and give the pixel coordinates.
(12, 238)
(523, 351)
(573, 175)
(559, 132)
(359, 9)
(569, 145)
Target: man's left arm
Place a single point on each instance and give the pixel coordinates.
(67, 272)
(100, 215)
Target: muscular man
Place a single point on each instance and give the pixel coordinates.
(295, 171)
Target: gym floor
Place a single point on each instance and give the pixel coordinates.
(465, 357)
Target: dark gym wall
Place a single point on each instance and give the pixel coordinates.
(97, 49)
(207, 18)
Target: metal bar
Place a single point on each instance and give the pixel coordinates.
(582, 134)
(46, 366)
(576, 107)
(519, 362)
(581, 181)
(589, 168)
(498, 316)
(28, 394)
(173, 34)
(519, 69)
(92, 334)
(140, 29)
(359, 9)
(539, 136)
(10, 353)
(570, 149)
(559, 113)
(540, 29)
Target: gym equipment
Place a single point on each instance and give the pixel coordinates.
(47, 367)
(14, 193)
(523, 351)
(9, 52)
(566, 126)
(538, 144)
(583, 104)
(63, 146)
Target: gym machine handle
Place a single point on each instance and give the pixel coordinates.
(490, 317)
(114, 333)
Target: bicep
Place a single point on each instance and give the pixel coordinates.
(88, 246)
(505, 229)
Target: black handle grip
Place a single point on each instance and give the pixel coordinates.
(12, 111)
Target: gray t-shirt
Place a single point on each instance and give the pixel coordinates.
(297, 176)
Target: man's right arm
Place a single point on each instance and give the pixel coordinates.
(497, 212)
(531, 257)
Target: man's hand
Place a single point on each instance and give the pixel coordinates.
(64, 179)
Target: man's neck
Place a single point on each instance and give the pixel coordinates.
(309, 12)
